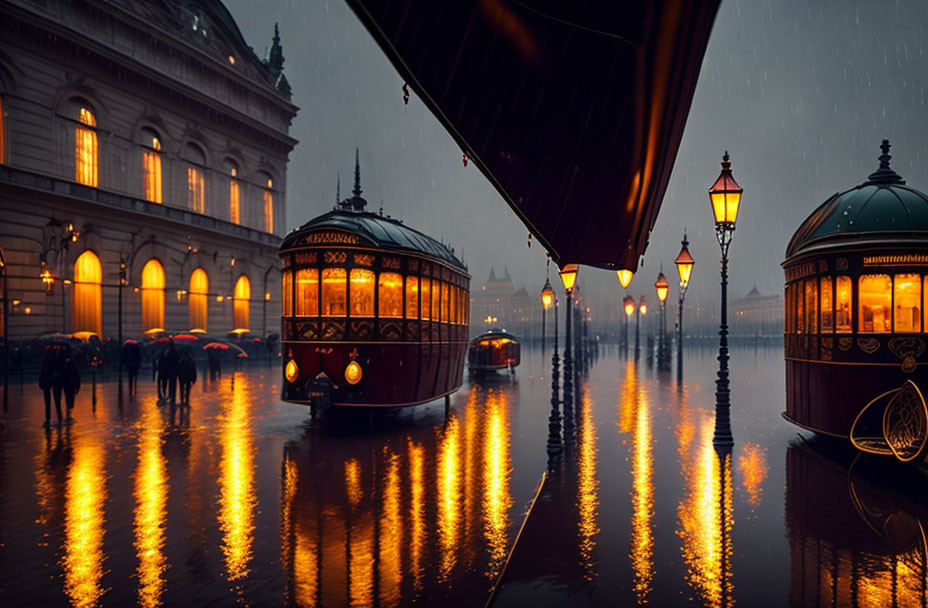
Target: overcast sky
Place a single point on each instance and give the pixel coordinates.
(800, 93)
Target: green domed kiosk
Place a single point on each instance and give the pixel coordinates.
(855, 318)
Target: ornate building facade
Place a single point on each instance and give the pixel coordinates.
(498, 303)
(143, 157)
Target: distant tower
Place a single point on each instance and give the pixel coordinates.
(275, 63)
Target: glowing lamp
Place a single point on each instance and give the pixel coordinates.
(684, 263)
(629, 306)
(547, 295)
(725, 195)
(643, 306)
(291, 371)
(353, 372)
(569, 275)
(625, 277)
(662, 287)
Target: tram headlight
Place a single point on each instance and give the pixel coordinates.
(353, 372)
(291, 371)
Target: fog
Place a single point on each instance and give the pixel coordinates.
(799, 93)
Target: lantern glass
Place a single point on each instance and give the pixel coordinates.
(547, 296)
(629, 307)
(725, 195)
(625, 277)
(684, 264)
(643, 306)
(569, 275)
(662, 287)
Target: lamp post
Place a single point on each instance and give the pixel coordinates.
(547, 299)
(122, 284)
(662, 287)
(628, 303)
(684, 264)
(555, 446)
(642, 310)
(725, 196)
(568, 276)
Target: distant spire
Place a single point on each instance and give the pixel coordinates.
(338, 188)
(506, 271)
(357, 173)
(492, 278)
(885, 175)
(275, 64)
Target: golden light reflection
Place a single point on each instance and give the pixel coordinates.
(588, 486)
(85, 498)
(628, 398)
(151, 488)
(753, 467)
(236, 482)
(449, 495)
(390, 566)
(496, 469)
(417, 510)
(361, 558)
(706, 518)
(642, 550)
(353, 481)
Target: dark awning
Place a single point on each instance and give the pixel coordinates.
(573, 110)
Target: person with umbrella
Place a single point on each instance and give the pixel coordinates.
(132, 358)
(48, 380)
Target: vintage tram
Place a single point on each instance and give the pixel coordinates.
(856, 300)
(494, 350)
(374, 312)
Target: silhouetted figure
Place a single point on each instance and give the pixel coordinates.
(167, 373)
(215, 367)
(48, 381)
(132, 360)
(186, 375)
(70, 380)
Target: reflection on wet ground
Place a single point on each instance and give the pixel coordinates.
(242, 499)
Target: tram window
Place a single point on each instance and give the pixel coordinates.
(390, 297)
(412, 297)
(874, 294)
(307, 291)
(334, 292)
(362, 293)
(454, 304)
(788, 313)
(436, 295)
(925, 300)
(812, 306)
(906, 296)
(843, 305)
(445, 308)
(426, 290)
(800, 308)
(286, 288)
(828, 320)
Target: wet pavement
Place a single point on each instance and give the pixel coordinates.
(240, 498)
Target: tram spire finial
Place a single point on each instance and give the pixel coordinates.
(357, 173)
(885, 175)
(338, 188)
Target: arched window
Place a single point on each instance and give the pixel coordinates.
(152, 296)
(198, 299)
(85, 147)
(196, 178)
(87, 308)
(241, 304)
(151, 165)
(235, 194)
(268, 205)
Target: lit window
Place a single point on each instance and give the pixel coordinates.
(235, 198)
(426, 298)
(412, 297)
(269, 207)
(906, 296)
(334, 292)
(812, 306)
(843, 305)
(241, 304)
(390, 296)
(307, 292)
(152, 295)
(798, 300)
(875, 297)
(85, 146)
(445, 307)
(286, 287)
(362, 293)
(828, 320)
(198, 299)
(436, 298)
(87, 308)
(151, 166)
(196, 190)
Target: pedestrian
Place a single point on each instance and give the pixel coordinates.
(47, 381)
(70, 380)
(132, 359)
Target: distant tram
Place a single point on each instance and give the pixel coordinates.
(855, 319)
(494, 350)
(374, 312)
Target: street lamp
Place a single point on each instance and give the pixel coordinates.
(568, 277)
(629, 303)
(662, 287)
(547, 299)
(555, 446)
(725, 196)
(642, 310)
(684, 264)
(625, 277)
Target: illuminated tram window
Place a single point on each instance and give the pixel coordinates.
(800, 308)
(925, 300)
(828, 319)
(906, 296)
(426, 298)
(843, 305)
(444, 303)
(362, 293)
(412, 297)
(286, 287)
(390, 296)
(436, 299)
(307, 292)
(812, 306)
(874, 295)
(334, 292)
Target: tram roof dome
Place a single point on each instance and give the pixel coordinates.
(882, 208)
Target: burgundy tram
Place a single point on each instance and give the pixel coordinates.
(374, 312)
(494, 350)
(856, 302)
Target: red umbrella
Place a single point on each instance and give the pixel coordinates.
(219, 345)
(130, 342)
(187, 337)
